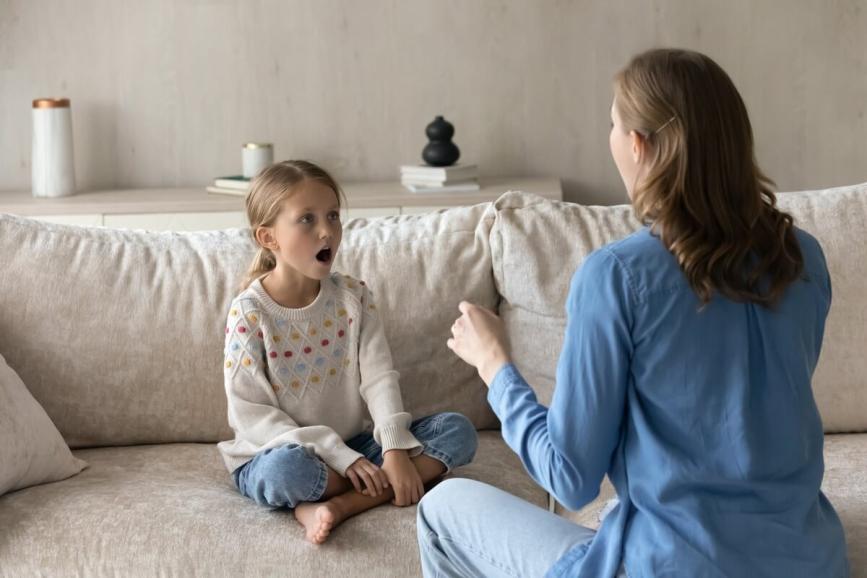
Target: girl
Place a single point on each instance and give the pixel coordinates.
(307, 365)
(685, 371)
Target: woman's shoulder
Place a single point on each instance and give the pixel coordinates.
(640, 259)
(811, 249)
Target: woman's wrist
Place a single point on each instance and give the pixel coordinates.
(489, 369)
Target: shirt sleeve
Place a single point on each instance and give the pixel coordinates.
(253, 408)
(380, 388)
(568, 447)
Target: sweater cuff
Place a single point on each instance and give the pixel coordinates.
(396, 437)
(340, 457)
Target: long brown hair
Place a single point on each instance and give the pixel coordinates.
(268, 190)
(702, 190)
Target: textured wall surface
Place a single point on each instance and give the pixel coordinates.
(164, 92)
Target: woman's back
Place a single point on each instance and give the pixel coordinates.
(720, 461)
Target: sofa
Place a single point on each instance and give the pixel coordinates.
(118, 335)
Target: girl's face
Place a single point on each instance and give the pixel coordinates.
(307, 233)
(626, 149)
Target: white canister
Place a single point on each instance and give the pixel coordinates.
(255, 156)
(52, 162)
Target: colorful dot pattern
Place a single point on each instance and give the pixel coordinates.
(298, 357)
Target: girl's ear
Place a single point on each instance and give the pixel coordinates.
(638, 145)
(265, 237)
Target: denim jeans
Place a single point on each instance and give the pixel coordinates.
(467, 529)
(285, 476)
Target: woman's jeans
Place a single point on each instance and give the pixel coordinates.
(467, 529)
(291, 474)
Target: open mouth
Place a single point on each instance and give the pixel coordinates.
(324, 256)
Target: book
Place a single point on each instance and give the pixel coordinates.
(454, 172)
(434, 182)
(233, 182)
(225, 191)
(467, 186)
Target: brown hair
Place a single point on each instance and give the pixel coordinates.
(268, 190)
(703, 191)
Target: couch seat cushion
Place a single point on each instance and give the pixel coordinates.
(172, 510)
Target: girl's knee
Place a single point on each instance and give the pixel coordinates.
(285, 477)
(459, 433)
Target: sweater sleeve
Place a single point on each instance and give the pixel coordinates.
(568, 447)
(254, 410)
(379, 384)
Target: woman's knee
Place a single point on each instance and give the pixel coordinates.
(284, 477)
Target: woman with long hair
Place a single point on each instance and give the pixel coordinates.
(684, 376)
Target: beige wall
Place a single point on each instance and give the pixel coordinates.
(164, 92)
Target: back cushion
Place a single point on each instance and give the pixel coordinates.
(119, 334)
(538, 244)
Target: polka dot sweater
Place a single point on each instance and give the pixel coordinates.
(315, 376)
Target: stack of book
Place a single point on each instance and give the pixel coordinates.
(234, 185)
(428, 179)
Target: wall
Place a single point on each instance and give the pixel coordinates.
(164, 92)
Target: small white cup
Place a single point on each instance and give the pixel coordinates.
(255, 156)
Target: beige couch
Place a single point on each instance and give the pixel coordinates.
(119, 335)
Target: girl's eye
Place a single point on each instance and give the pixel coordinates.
(334, 216)
(306, 219)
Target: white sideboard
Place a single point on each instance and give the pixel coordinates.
(195, 209)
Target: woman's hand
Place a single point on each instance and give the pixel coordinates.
(404, 478)
(479, 338)
(366, 477)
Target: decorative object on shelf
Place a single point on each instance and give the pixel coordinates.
(53, 169)
(255, 156)
(440, 151)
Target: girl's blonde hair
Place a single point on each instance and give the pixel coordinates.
(268, 190)
(703, 191)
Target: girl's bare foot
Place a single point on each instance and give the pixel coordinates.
(318, 519)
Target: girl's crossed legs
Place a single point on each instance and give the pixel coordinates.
(294, 477)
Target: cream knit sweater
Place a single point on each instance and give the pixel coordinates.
(315, 376)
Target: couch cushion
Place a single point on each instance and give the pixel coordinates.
(172, 510)
(845, 485)
(119, 334)
(538, 244)
(32, 451)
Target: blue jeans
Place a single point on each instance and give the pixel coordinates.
(467, 528)
(285, 476)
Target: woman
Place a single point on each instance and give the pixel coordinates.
(685, 371)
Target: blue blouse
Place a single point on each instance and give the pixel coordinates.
(703, 419)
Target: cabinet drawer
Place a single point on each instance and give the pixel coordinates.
(82, 220)
(370, 213)
(176, 221)
(422, 210)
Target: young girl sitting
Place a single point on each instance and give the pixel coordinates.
(307, 367)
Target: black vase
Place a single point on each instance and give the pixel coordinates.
(440, 151)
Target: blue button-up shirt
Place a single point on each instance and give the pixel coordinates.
(703, 419)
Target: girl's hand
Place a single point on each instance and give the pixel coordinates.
(366, 477)
(404, 478)
(479, 338)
